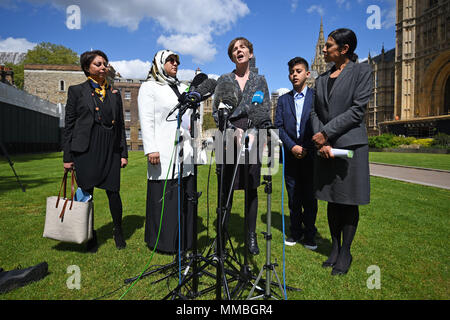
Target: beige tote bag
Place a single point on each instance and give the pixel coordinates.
(68, 220)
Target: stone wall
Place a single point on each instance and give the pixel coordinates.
(51, 82)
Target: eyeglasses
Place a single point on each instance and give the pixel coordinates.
(172, 60)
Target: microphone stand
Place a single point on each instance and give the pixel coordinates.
(269, 267)
(245, 272)
(175, 263)
(11, 164)
(217, 258)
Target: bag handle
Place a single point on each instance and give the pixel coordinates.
(72, 193)
(63, 183)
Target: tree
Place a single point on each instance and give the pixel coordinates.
(49, 53)
(18, 73)
(44, 53)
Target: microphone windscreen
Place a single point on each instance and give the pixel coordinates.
(226, 92)
(257, 114)
(206, 88)
(258, 97)
(198, 79)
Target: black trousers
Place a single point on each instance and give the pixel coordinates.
(252, 193)
(302, 201)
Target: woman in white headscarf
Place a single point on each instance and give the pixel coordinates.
(157, 97)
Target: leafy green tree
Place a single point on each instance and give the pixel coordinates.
(49, 53)
(44, 53)
(18, 73)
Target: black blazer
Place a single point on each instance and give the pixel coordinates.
(341, 113)
(79, 119)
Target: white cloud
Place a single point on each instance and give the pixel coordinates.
(390, 16)
(294, 5)
(182, 20)
(315, 8)
(344, 3)
(16, 45)
(132, 69)
(282, 91)
(138, 69)
(199, 46)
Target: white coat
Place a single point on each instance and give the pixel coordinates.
(155, 101)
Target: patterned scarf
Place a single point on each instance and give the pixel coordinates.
(157, 71)
(100, 90)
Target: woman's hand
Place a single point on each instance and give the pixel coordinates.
(319, 139)
(325, 152)
(123, 162)
(153, 158)
(68, 166)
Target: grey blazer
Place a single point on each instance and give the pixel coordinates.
(341, 113)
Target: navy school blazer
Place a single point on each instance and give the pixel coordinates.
(286, 121)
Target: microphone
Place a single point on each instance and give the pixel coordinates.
(259, 117)
(228, 96)
(191, 95)
(202, 92)
(198, 79)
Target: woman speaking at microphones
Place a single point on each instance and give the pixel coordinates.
(245, 83)
(342, 94)
(157, 98)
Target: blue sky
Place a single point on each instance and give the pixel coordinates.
(130, 32)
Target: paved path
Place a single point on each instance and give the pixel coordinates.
(428, 177)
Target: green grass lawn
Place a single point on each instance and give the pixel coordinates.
(422, 160)
(404, 232)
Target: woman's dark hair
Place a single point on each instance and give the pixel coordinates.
(87, 57)
(345, 36)
(298, 60)
(247, 43)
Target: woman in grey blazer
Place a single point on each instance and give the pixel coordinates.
(342, 94)
(245, 83)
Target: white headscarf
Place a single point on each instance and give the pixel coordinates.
(157, 71)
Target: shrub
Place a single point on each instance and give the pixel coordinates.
(423, 143)
(441, 140)
(400, 140)
(388, 140)
(381, 141)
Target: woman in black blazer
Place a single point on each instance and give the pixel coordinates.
(94, 137)
(342, 94)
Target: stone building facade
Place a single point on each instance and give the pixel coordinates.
(318, 64)
(129, 90)
(50, 82)
(422, 63)
(381, 103)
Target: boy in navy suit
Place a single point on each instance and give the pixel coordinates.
(293, 121)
